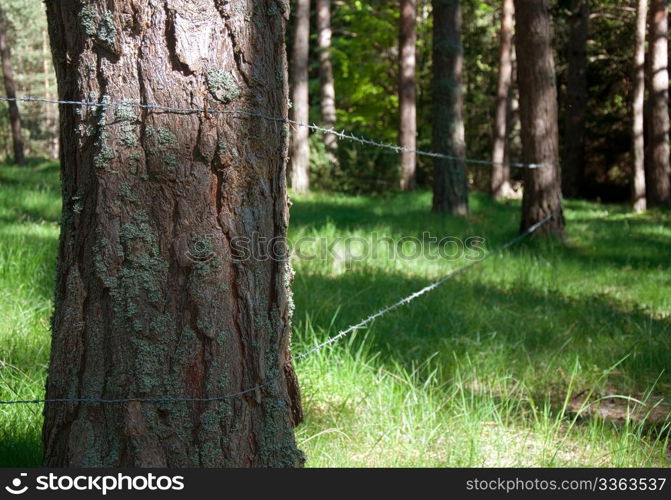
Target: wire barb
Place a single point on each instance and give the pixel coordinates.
(343, 333)
(241, 112)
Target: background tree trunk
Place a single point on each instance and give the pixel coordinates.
(500, 183)
(300, 110)
(658, 188)
(513, 144)
(450, 186)
(49, 109)
(407, 135)
(538, 115)
(573, 164)
(153, 296)
(10, 90)
(638, 139)
(326, 84)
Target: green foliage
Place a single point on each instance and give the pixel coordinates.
(358, 170)
(609, 79)
(365, 59)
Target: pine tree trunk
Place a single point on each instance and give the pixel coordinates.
(658, 187)
(538, 116)
(326, 84)
(300, 111)
(500, 182)
(638, 147)
(156, 296)
(10, 90)
(407, 134)
(573, 164)
(450, 187)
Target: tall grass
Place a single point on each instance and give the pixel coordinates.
(551, 354)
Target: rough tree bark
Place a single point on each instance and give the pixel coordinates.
(407, 98)
(638, 139)
(573, 158)
(157, 294)
(658, 187)
(538, 116)
(10, 90)
(450, 186)
(326, 84)
(500, 182)
(300, 110)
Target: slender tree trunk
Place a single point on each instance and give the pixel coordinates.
(10, 90)
(450, 187)
(538, 116)
(638, 146)
(326, 84)
(50, 119)
(157, 293)
(500, 183)
(407, 95)
(513, 146)
(300, 111)
(573, 165)
(658, 187)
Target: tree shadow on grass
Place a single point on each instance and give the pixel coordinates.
(23, 449)
(639, 244)
(520, 331)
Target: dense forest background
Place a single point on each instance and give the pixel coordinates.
(365, 61)
(27, 36)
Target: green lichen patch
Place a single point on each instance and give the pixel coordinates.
(183, 351)
(126, 192)
(107, 31)
(125, 115)
(104, 154)
(222, 85)
(128, 139)
(145, 269)
(101, 26)
(161, 324)
(125, 112)
(148, 364)
(222, 146)
(134, 161)
(164, 146)
(277, 447)
(88, 20)
(77, 203)
(166, 137)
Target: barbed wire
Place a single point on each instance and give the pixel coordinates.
(342, 134)
(343, 333)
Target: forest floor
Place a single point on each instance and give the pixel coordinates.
(550, 354)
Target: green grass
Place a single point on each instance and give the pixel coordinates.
(551, 354)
